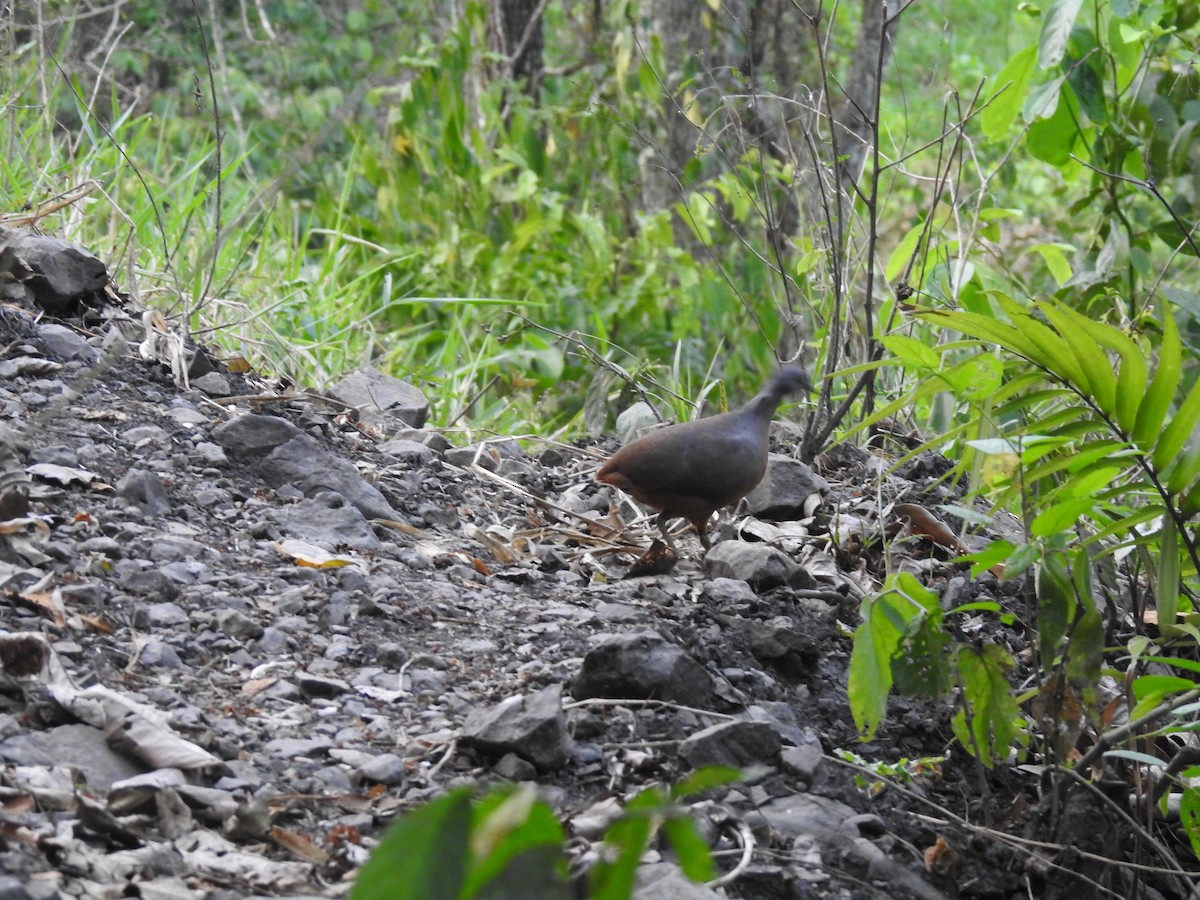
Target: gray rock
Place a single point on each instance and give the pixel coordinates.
(729, 590)
(237, 624)
(643, 666)
(785, 489)
(159, 654)
(485, 454)
(65, 343)
(54, 273)
(434, 514)
(186, 414)
(144, 490)
(533, 726)
(807, 814)
(665, 881)
(159, 615)
(303, 463)
(210, 453)
(804, 762)
(291, 748)
(250, 437)
(407, 451)
(375, 394)
(737, 744)
(386, 768)
(79, 746)
(777, 638)
(57, 455)
(213, 383)
(151, 583)
(760, 566)
(142, 435)
(172, 548)
(327, 518)
(434, 440)
(105, 546)
(636, 421)
(321, 686)
(513, 768)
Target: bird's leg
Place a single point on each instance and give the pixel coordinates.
(662, 526)
(701, 526)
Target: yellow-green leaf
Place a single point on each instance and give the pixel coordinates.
(1061, 516)
(1178, 430)
(1154, 406)
(1131, 382)
(1101, 381)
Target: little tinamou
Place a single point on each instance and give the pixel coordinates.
(689, 471)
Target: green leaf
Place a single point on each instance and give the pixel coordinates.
(913, 353)
(1144, 759)
(613, 879)
(1178, 430)
(1080, 461)
(982, 560)
(1052, 352)
(987, 722)
(1162, 685)
(515, 838)
(691, 850)
(1131, 382)
(870, 679)
(423, 856)
(899, 258)
(1154, 405)
(704, 779)
(1055, 256)
(1100, 382)
(886, 619)
(1085, 648)
(982, 327)
(1056, 31)
(1185, 471)
(1189, 816)
(1167, 596)
(1056, 604)
(1189, 503)
(1043, 100)
(1012, 83)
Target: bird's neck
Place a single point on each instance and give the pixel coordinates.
(762, 407)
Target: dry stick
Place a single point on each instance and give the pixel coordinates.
(1117, 735)
(650, 704)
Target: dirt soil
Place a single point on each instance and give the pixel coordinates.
(223, 681)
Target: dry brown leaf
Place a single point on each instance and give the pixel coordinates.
(98, 624)
(940, 857)
(257, 686)
(20, 804)
(310, 555)
(49, 602)
(299, 846)
(925, 524)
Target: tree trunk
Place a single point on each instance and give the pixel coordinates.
(518, 27)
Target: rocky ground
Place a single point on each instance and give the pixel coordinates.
(243, 629)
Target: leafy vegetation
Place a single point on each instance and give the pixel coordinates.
(509, 844)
